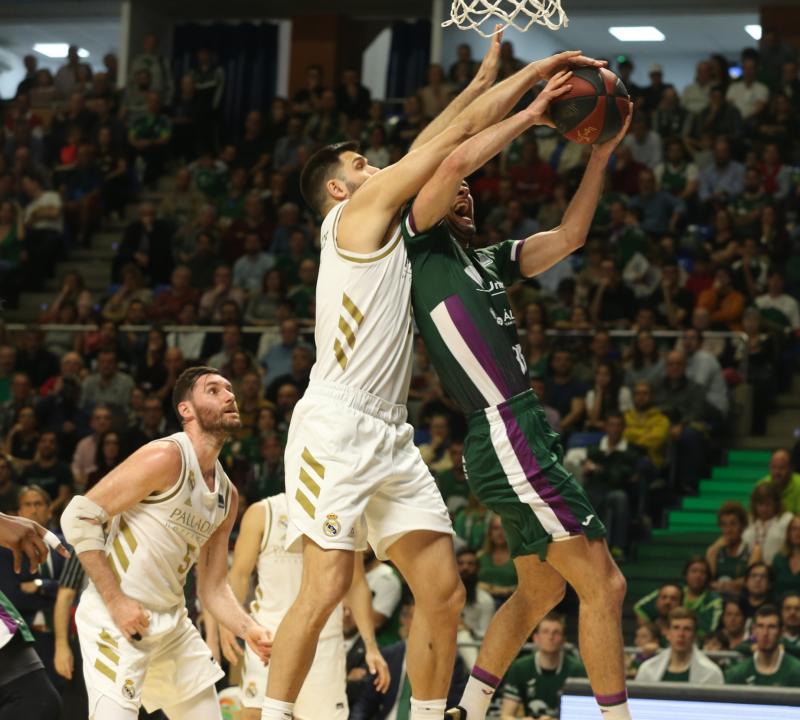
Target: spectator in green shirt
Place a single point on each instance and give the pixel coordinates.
(770, 665)
(786, 564)
(729, 556)
(699, 597)
(149, 136)
(533, 682)
(656, 607)
(731, 631)
(790, 614)
(788, 482)
(453, 482)
(496, 572)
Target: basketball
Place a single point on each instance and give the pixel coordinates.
(594, 110)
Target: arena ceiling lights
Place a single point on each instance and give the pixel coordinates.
(57, 50)
(643, 33)
(754, 31)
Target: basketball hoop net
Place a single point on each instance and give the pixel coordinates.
(520, 14)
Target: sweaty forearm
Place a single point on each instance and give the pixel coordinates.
(445, 118)
(97, 567)
(579, 213)
(228, 611)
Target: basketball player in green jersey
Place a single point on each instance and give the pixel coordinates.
(512, 457)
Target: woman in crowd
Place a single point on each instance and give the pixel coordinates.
(729, 556)
(732, 631)
(262, 307)
(768, 524)
(786, 564)
(108, 456)
(496, 572)
(608, 395)
(646, 363)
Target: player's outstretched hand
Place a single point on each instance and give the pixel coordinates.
(229, 644)
(378, 667)
(260, 641)
(26, 537)
(549, 66)
(131, 619)
(487, 72)
(608, 147)
(555, 88)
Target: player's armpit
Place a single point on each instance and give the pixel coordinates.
(150, 470)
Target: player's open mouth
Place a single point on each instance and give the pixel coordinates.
(462, 209)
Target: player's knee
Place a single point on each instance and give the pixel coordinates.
(446, 599)
(617, 586)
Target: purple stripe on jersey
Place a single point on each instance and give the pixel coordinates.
(8, 621)
(533, 471)
(461, 319)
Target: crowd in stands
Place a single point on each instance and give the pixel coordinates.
(675, 325)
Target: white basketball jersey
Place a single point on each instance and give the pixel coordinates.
(152, 546)
(280, 572)
(364, 331)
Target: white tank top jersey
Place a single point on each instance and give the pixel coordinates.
(280, 572)
(364, 331)
(152, 546)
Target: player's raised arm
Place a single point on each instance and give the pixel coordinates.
(216, 594)
(543, 250)
(436, 197)
(483, 80)
(245, 557)
(151, 469)
(505, 95)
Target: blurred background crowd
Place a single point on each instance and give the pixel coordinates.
(669, 336)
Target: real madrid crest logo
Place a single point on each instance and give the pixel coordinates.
(250, 690)
(191, 479)
(331, 526)
(128, 690)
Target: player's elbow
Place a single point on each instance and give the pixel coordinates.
(573, 237)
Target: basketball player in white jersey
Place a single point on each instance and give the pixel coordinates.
(170, 505)
(260, 544)
(353, 474)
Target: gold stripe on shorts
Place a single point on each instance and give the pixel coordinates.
(338, 351)
(309, 482)
(313, 463)
(109, 653)
(107, 671)
(306, 504)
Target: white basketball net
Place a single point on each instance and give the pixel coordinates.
(520, 14)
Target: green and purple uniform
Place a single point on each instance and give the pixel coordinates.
(512, 457)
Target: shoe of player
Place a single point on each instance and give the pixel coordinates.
(456, 713)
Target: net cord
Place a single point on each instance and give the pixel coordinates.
(472, 14)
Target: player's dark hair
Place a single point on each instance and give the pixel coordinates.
(319, 169)
(185, 383)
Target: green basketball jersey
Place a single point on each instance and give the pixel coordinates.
(11, 622)
(733, 566)
(536, 689)
(745, 673)
(462, 311)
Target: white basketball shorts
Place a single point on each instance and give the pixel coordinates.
(170, 664)
(354, 475)
(324, 692)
